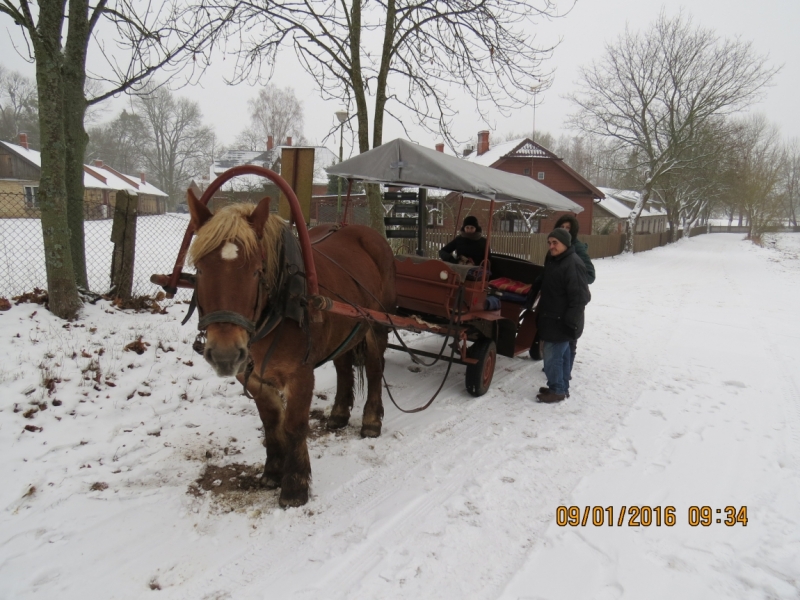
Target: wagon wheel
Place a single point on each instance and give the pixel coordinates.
(479, 375)
(536, 349)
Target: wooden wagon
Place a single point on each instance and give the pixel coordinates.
(441, 294)
(432, 295)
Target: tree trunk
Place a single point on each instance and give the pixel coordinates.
(74, 71)
(76, 139)
(630, 223)
(374, 200)
(62, 290)
(123, 234)
(383, 73)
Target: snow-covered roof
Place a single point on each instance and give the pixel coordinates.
(495, 153)
(120, 181)
(620, 203)
(35, 158)
(323, 158)
(95, 177)
(527, 148)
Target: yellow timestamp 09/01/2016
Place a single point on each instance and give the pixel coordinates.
(646, 516)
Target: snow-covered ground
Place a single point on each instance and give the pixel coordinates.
(686, 393)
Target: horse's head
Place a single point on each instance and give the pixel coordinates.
(235, 253)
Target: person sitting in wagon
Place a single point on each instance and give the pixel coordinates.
(469, 247)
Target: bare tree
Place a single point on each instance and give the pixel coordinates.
(274, 112)
(426, 49)
(119, 143)
(150, 37)
(758, 161)
(792, 180)
(18, 107)
(175, 140)
(653, 91)
(692, 190)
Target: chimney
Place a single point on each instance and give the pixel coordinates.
(270, 142)
(440, 147)
(289, 141)
(141, 177)
(483, 142)
(98, 163)
(469, 149)
(23, 140)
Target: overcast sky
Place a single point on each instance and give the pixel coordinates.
(772, 25)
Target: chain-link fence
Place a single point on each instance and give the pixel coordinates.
(22, 266)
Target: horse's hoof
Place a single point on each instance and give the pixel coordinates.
(271, 481)
(370, 431)
(293, 499)
(337, 422)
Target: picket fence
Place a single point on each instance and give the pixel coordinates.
(533, 247)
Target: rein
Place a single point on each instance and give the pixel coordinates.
(453, 323)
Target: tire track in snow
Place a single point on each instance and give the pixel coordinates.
(791, 394)
(363, 493)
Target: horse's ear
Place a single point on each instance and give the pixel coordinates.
(258, 218)
(198, 211)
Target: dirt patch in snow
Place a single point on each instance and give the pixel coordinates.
(233, 487)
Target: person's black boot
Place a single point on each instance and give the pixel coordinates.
(550, 397)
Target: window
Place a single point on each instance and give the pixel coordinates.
(31, 196)
(526, 172)
(436, 215)
(541, 175)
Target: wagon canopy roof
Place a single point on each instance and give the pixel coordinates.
(403, 163)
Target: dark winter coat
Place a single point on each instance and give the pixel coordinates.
(582, 250)
(473, 249)
(580, 247)
(564, 295)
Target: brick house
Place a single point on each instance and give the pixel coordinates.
(525, 157)
(20, 171)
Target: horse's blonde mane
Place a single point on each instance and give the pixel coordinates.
(230, 224)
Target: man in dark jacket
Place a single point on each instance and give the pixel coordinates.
(469, 246)
(570, 223)
(564, 295)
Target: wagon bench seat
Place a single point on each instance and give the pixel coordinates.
(429, 285)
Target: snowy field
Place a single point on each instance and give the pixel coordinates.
(686, 392)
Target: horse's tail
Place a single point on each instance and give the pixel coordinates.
(373, 345)
(360, 362)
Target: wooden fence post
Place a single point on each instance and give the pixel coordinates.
(123, 235)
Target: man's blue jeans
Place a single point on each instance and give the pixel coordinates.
(557, 366)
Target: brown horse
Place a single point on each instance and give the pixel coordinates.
(238, 254)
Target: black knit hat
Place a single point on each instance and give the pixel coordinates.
(562, 235)
(574, 228)
(471, 220)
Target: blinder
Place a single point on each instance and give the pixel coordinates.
(287, 297)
